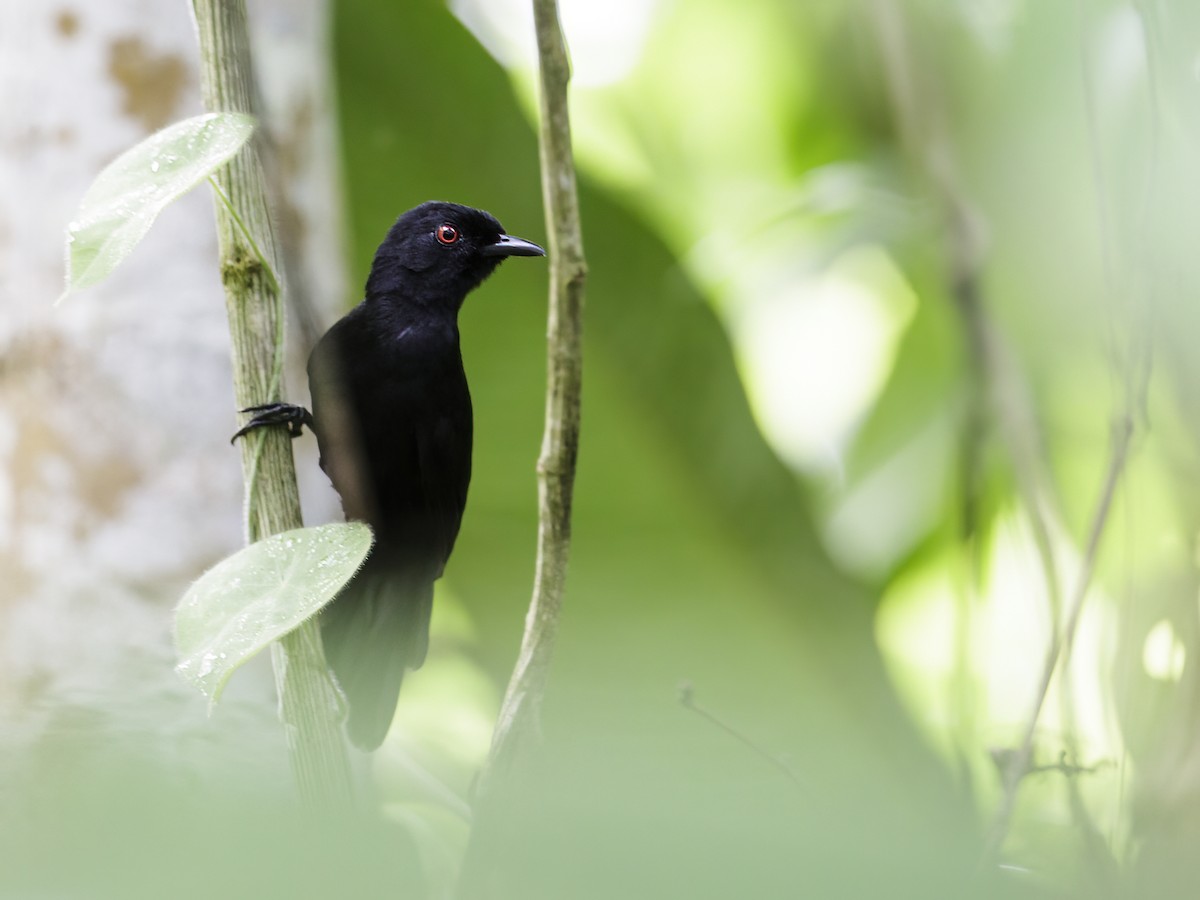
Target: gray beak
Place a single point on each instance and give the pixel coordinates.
(507, 245)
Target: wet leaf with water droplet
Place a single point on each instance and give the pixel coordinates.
(258, 595)
(125, 199)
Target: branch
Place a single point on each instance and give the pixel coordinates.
(518, 720)
(687, 698)
(309, 704)
(518, 727)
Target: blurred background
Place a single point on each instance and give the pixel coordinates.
(889, 390)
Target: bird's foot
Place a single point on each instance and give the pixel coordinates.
(294, 417)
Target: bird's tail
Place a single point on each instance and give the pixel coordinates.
(376, 630)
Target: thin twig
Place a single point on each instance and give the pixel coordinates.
(1135, 374)
(1061, 649)
(687, 697)
(1004, 757)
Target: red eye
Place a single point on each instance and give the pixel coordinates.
(447, 234)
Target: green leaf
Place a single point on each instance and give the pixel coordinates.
(258, 595)
(128, 195)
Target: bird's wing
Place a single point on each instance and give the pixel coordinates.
(444, 461)
(339, 433)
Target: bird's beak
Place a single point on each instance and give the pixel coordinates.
(507, 245)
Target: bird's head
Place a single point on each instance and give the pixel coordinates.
(438, 252)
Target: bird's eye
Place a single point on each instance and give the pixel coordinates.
(447, 234)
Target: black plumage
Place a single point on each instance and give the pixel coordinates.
(392, 414)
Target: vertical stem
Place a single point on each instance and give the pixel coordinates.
(517, 726)
(308, 703)
(560, 442)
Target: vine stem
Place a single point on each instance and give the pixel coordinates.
(518, 718)
(517, 727)
(308, 702)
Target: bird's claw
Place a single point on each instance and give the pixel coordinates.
(288, 414)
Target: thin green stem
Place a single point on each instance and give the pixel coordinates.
(247, 234)
(273, 387)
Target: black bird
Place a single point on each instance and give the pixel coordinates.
(392, 415)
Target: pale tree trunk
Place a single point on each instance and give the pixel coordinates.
(117, 483)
